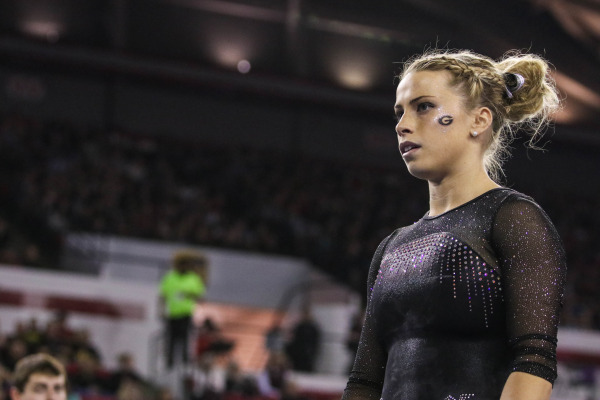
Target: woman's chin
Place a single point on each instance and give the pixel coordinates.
(419, 173)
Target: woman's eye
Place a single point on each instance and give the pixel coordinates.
(424, 106)
(398, 115)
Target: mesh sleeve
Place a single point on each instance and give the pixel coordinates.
(533, 268)
(366, 377)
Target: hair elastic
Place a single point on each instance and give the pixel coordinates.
(512, 83)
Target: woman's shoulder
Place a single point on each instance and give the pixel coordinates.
(517, 206)
(517, 199)
(505, 194)
(512, 194)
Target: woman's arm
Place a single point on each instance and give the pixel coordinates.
(533, 269)
(524, 386)
(366, 378)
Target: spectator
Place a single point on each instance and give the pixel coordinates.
(130, 390)
(272, 380)
(32, 335)
(291, 391)
(211, 341)
(16, 348)
(39, 377)
(180, 290)
(53, 340)
(87, 376)
(274, 338)
(5, 378)
(238, 383)
(85, 372)
(124, 373)
(80, 341)
(303, 348)
(206, 381)
(165, 393)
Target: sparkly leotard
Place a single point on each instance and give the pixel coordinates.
(460, 300)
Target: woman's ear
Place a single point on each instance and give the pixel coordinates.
(483, 119)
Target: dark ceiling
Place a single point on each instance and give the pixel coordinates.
(341, 50)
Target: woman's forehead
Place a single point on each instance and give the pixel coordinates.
(423, 83)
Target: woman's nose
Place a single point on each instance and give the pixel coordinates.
(403, 127)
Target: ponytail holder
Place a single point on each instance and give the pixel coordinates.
(512, 83)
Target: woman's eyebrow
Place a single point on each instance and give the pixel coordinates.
(396, 107)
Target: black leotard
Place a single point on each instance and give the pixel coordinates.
(458, 301)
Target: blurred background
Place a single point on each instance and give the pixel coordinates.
(259, 133)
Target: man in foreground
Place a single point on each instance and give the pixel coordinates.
(39, 377)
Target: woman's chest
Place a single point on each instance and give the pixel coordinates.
(436, 282)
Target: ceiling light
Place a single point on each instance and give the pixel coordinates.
(48, 30)
(244, 66)
(353, 71)
(227, 44)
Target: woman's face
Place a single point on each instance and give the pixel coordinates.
(433, 127)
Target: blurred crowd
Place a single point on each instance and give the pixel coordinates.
(57, 178)
(87, 375)
(211, 374)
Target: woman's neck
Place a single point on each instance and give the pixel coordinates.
(453, 191)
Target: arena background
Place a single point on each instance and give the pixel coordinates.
(260, 132)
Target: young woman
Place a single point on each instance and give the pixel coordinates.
(464, 303)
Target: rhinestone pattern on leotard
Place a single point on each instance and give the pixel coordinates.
(454, 258)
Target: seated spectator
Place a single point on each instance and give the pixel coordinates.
(165, 393)
(80, 341)
(124, 373)
(16, 348)
(274, 338)
(237, 383)
(87, 376)
(210, 340)
(39, 376)
(32, 335)
(54, 342)
(130, 390)
(272, 380)
(5, 379)
(206, 381)
(290, 391)
(60, 319)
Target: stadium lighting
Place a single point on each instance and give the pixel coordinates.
(353, 71)
(48, 30)
(244, 66)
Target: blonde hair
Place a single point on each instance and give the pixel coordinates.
(488, 83)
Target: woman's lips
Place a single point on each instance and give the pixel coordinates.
(408, 148)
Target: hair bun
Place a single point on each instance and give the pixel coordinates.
(513, 82)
